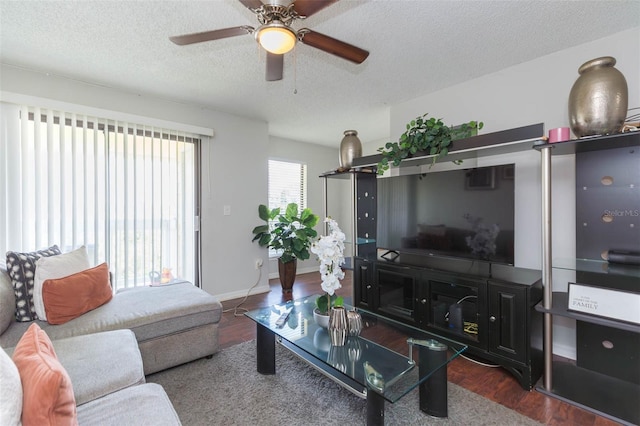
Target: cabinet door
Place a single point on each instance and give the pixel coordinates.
(363, 284)
(508, 332)
(395, 291)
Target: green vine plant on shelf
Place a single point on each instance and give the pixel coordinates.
(429, 135)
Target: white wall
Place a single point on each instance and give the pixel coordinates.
(532, 92)
(318, 159)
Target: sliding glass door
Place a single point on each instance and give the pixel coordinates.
(127, 192)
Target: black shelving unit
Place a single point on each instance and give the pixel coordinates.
(363, 210)
(604, 387)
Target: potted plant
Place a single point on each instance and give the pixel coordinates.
(429, 135)
(290, 234)
(330, 251)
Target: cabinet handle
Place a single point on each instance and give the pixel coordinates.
(369, 287)
(423, 301)
(492, 318)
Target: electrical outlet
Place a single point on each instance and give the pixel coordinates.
(258, 263)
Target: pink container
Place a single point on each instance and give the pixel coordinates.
(559, 134)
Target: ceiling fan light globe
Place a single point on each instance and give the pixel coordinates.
(277, 39)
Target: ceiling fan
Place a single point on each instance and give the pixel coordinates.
(277, 37)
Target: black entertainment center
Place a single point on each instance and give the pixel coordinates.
(489, 307)
(436, 250)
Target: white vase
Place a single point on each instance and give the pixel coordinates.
(321, 319)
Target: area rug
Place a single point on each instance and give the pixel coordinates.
(227, 390)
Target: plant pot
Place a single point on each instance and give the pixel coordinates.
(321, 319)
(287, 273)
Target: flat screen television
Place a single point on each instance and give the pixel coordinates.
(467, 213)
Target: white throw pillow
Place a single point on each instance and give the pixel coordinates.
(10, 392)
(53, 267)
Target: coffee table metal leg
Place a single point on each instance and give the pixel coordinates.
(433, 391)
(265, 350)
(375, 409)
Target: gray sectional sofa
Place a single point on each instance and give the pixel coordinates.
(108, 381)
(109, 350)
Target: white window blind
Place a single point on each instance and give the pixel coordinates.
(287, 184)
(127, 192)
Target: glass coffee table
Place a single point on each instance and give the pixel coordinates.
(385, 362)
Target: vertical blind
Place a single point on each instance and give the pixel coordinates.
(127, 192)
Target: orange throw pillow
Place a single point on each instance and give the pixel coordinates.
(69, 297)
(47, 392)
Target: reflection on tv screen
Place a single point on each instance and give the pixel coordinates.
(464, 213)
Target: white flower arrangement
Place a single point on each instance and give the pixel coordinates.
(330, 251)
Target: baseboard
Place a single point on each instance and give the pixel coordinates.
(274, 275)
(243, 293)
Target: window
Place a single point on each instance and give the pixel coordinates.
(127, 192)
(287, 184)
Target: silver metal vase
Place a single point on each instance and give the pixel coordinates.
(338, 326)
(350, 148)
(598, 100)
(355, 322)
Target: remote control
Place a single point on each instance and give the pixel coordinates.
(283, 318)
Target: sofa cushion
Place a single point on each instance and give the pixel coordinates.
(10, 391)
(22, 268)
(69, 297)
(56, 267)
(108, 362)
(143, 404)
(7, 301)
(47, 392)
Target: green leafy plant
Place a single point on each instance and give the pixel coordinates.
(429, 135)
(289, 233)
(326, 301)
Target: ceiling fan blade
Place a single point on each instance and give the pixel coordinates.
(307, 8)
(251, 4)
(331, 45)
(182, 40)
(275, 64)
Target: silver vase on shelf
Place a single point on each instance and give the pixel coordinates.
(350, 148)
(598, 100)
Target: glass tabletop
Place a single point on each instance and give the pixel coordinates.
(385, 357)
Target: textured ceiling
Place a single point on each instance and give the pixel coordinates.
(416, 47)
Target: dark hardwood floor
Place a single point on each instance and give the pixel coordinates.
(495, 384)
